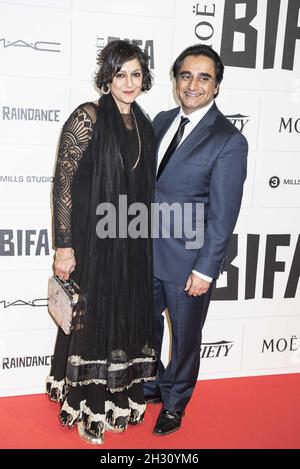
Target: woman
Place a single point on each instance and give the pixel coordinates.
(106, 150)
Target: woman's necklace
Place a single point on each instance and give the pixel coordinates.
(139, 143)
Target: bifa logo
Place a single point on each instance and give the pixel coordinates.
(147, 46)
(24, 242)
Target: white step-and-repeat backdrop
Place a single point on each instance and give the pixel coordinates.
(48, 54)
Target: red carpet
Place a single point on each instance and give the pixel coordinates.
(252, 412)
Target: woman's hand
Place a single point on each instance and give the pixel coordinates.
(63, 266)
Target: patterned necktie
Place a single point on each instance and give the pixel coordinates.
(173, 145)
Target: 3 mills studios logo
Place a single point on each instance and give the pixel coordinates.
(275, 181)
(8, 178)
(254, 41)
(146, 45)
(37, 46)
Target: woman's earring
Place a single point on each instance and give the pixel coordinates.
(105, 89)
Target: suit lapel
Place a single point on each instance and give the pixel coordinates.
(202, 130)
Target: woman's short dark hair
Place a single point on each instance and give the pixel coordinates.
(114, 55)
(200, 49)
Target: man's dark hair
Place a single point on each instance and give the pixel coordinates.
(200, 49)
(114, 55)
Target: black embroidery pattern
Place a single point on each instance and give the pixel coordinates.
(74, 141)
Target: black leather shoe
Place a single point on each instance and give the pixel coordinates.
(168, 421)
(153, 399)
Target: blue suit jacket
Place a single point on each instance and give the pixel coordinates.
(209, 167)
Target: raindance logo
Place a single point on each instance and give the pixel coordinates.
(25, 362)
(40, 46)
(30, 114)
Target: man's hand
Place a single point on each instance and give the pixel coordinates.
(196, 286)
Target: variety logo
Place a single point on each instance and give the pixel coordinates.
(40, 46)
(238, 120)
(216, 349)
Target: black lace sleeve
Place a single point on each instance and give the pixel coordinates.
(75, 138)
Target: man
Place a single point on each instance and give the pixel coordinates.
(202, 158)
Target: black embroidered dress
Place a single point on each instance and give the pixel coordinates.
(97, 372)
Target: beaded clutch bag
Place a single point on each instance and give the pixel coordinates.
(66, 304)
